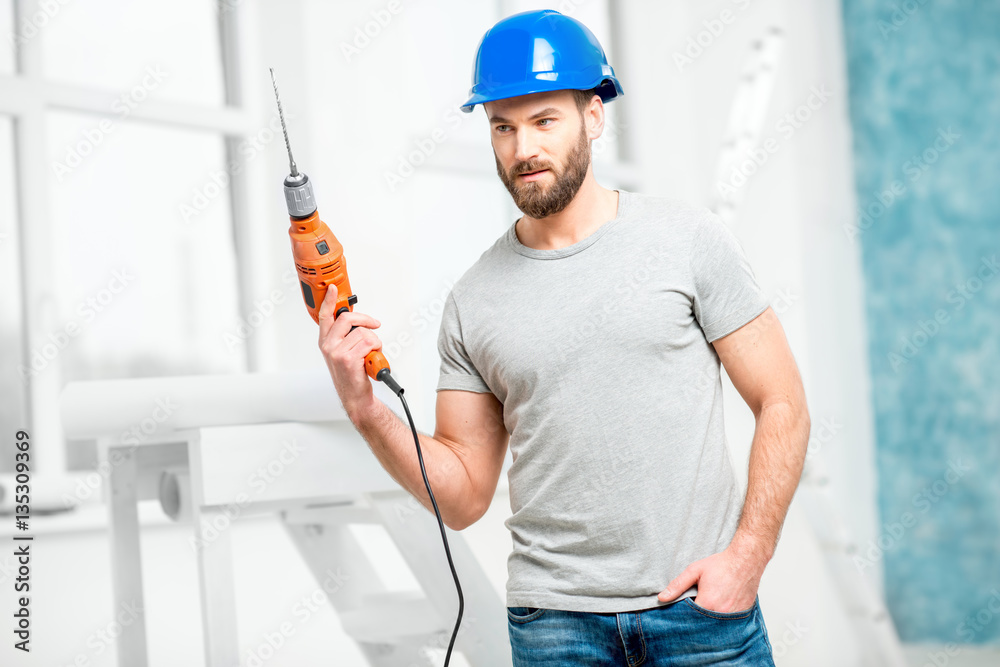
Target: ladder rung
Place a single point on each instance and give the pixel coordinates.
(331, 514)
(391, 616)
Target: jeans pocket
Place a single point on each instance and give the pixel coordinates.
(722, 615)
(524, 614)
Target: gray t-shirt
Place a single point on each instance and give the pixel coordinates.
(600, 353)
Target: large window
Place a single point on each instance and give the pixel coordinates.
(130, 247)
(118, 249)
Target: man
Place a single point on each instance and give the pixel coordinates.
(589, 336)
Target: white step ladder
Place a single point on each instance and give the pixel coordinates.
(396, 627)
(871, 621)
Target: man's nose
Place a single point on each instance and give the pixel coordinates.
(526, 147)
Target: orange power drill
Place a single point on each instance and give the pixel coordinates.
(319, 256)
(319, 260)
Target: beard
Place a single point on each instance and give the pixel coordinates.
(538, 200)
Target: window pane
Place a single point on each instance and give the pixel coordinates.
(142, 250)
(169, 48)
(13, 415)
(9, 35)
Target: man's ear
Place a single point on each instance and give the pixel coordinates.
(593, 117)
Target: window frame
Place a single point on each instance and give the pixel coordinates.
(26, 96)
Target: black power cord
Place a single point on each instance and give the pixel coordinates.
(385, 377)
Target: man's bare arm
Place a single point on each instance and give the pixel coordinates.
(463, 460)
(761, 366)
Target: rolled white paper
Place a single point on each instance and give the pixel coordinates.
(163, 404)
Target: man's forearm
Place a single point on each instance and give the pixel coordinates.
(777, 455)
(391, 440)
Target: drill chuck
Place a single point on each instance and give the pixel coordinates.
(299, 196)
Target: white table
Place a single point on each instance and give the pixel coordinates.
(320, 474)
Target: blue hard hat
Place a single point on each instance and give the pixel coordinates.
(538, 51)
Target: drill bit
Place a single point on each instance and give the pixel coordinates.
(299, 197)
(284, 130)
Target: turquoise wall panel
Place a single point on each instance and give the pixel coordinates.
(925, 110)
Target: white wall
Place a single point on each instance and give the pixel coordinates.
(789, 225)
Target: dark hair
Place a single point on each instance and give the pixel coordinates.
(583, 98)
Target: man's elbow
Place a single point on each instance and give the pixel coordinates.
(793, 411)
(458, 525)
(461, 521)
(801, 425)
(801, 412)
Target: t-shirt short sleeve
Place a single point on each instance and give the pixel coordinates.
(457, 369)
(726, 293)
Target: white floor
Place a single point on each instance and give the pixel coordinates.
(935, 655)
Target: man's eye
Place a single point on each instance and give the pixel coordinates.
(546, 120)
(502, 128)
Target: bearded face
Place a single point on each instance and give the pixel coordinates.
(550, 192)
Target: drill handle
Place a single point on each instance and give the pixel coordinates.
(375, 361)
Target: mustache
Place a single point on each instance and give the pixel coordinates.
(528, 167)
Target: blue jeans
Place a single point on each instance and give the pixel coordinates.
(680, 633)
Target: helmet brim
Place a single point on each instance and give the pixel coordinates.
(607, 87)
